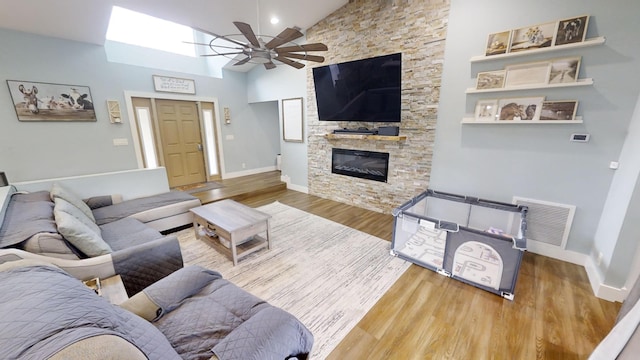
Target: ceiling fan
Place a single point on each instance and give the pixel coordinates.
(257, 51)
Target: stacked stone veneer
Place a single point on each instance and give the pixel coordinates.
(367, 28)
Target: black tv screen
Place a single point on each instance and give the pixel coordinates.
(360, 90)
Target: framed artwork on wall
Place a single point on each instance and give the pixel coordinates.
(564, 70)
(292, 123)
(486, 110)
(536, 73)
(37, 101)
(498, 43)
(559, 110)
(572, 30)
(490, 80)
(519, 109)
(532, 37)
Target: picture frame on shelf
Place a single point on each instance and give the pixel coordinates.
(534, 73)
(498, 43)
(564, 70)
(563, 110)
(572, 30)
(490, 80)
(486, 110)
(520, 109)
(532, 37)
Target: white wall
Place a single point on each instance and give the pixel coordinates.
(538, 161)
(284, 82)
(39, 150)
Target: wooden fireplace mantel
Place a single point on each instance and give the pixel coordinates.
(365, 137)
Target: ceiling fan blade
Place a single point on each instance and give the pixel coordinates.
(209, 44)
(221, 37)
(303, 57)
(223, 54)
(243, 61)
(246, 30)
(304, 47)
(288, 34)
(295, 64)
(269, 66)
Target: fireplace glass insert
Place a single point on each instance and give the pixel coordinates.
(362, 164)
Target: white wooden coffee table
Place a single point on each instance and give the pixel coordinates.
(235, 223)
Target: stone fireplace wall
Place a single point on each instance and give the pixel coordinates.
(367, 28)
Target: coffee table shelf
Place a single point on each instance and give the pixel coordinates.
(235, 224)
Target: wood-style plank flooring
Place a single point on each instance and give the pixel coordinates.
(427, 316)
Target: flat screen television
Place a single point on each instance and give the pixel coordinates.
(360, 90)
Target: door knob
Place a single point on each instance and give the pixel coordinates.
(199, 147)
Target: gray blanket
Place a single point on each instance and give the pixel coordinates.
(201, 313)
(43, 310)
(27, 215)
(127, 208)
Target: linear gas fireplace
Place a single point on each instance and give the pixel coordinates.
(362, 164)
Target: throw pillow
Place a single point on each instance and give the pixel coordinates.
(58, 190)
(65, 206)
(81, 235)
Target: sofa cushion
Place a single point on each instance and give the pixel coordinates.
(126, 233)
(27, 215)
(81, 235)
(149, 205)
(51, 244)
(58, 190)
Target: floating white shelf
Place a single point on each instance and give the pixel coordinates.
(471, 120)
(580, 82)
(588, 42)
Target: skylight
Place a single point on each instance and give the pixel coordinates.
(139, 29)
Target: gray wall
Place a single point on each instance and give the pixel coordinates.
(538, 161)
(39, 150)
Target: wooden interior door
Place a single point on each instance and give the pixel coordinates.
(179, 125)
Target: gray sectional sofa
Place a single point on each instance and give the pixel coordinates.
(111, 238)
(191, 314)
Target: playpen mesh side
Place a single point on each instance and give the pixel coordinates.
(468, 215)
(483, 266)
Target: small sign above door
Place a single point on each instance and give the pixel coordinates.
(174, 85)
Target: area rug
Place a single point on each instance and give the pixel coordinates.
(326, 274)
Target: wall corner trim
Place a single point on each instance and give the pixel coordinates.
(600, 289)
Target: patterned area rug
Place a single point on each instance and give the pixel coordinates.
(326, 274)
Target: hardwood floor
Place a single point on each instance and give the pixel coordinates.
(427, 316)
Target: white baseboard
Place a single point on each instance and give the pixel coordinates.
(556, 252)
(299, 188)
(600, 289)
(248, 172)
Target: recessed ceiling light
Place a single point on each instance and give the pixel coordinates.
(274, 20)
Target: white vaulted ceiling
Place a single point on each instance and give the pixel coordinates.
(87, 21)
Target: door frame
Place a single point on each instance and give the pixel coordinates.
(170, 96)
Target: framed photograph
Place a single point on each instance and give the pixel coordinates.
(292, 124)
(572, 30)
(36, 101)
(518, 109)
(174, 85)
(559, 110)
(527, 74)
(498, 43)
(564, 70)
(486, 110)
(532, 37)
(490, 80)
